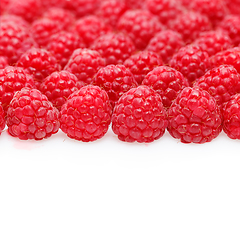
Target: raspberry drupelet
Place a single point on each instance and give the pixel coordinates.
(139, 116)
(86, 115)
(31, 116)
(194, 117)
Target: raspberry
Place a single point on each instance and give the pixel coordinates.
(139, 116)
(40, 63)
(231, 24)
(141, 63)
(84, 63)
(111, 10)
(191, 61)
(86, 115)
(140, 26)
(165, 10)
(231, 117)
(90, 28)
(115, 80)
(166, 43)
(190, 25)
(58, 87)
(115, 48)
(194, 117)
(213, 42)
(62, 45)
(14, 40)
(3, 62)
(31, 116)
(167, 82)
(221, 82)
(230, 56)
(13, 79)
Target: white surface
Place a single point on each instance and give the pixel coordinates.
(64, 189)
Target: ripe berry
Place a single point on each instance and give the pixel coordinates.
(194, 117)
(3, 62)
(141, 63)
(191, 61)
(166, 43)
(40, 63)
(84, 63)
(31, 116)
(58, 87)
(115, 48)
(231, 117)
(139, 116)
(13, 79)
(140, 26)
(115, 80)
(86, 115)
(167, 82)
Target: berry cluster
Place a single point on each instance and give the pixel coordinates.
(83, 65)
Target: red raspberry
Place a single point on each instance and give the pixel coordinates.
(86, 115)
(230, 56)
(58, 87)
(40, 63)
(14, 40)
(166, 43)
(194, 117)
(90, 28)
(27, 9)
(167, 82)
(231, 117)
(13, 79)
(115, 48)
(62, 16)
(165, 10)
(190, 25)
(221, 82)
(141, 63)
(213, 42)
(139, 116)
(3, 62)
(231, 24)
(111, 10)
(84, 63)
(115, 80)
(191, 61)
(62, 45)
(31, 116)
(140, 26)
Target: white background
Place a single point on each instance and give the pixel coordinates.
(60, 188)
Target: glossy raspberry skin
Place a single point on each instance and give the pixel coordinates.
(115, 48)
(191, 61)
(115, 80)
(15, 39)
(3, 62)
(13, 79)
(89, 28)
(139, 116)
(167, 82)
(194, 117)
(63, 44)
(190, 25)
(140, 26)
(231, 117)
(84, 63)
(86, 115)
(213, 42)
(221, 82)
(141, 63)
(166, 43)
(31, 116)
(40, 63)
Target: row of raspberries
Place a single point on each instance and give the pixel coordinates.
(82, 65)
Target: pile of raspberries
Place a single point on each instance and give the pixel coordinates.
(140, 66)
